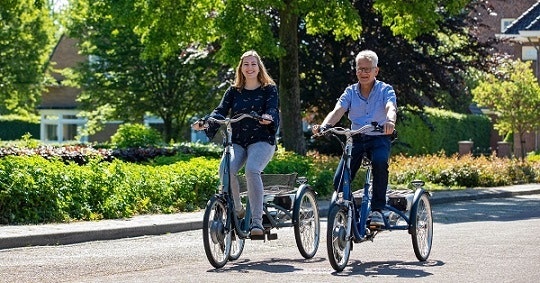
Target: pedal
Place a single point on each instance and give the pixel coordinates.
(257, 237)
(271, 236)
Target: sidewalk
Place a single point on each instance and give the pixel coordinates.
(69, 233)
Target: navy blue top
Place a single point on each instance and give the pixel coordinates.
(262, 100)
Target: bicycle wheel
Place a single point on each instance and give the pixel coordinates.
(422, 228)
(307, 228)
(337, 242)
(237, 246)
(217, 241)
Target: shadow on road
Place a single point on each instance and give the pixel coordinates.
(273, 265)
(497, 209)
(394, 269)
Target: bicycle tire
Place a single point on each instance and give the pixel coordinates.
(237, 246)
(307, 226)
(337, 243)
(217, 241)
(422, 227)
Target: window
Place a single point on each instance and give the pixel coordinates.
(505, 23)
(50, 133)
(528, 53)
(59, 126)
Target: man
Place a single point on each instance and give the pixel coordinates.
(369, 100)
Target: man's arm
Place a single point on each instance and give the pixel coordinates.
(391, 116)
(331, 119)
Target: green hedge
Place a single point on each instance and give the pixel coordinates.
(15, 129)
(35, 190)
(433, 130)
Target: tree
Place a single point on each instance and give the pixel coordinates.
(431, 69)
(26, 41)
(272, 27)
(122, 81)
(513, 92)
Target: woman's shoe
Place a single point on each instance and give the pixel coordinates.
(256, 230)
(241, 213)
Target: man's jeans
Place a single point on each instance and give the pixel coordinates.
(377, 149)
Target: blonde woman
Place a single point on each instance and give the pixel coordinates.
(254, 142)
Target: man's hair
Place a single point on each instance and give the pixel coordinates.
(368, 54)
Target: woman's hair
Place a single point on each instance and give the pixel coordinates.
(368, 54)
(263, 76)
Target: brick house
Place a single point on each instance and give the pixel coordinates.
(517, 25)
(58, 108)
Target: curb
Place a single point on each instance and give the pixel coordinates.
(144, 225)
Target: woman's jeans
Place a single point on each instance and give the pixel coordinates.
(377, 149)
(255, 158)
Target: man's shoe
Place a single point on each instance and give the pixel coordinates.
(240, 213)
(376, 218)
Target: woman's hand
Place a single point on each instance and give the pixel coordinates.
(199, 125)
(266, 119)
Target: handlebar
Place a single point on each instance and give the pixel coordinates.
(374, 127)
(224, 120)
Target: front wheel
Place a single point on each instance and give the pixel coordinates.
(216, 238)
(307, 228)
(337, 242)
(237, 246)
(422, 228)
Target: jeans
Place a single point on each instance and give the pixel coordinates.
(255, 158)
(377, 149)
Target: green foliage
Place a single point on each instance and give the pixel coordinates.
(37, 190)
(28, 192)
(132, 76)
(285, 162)
(136, 135)
(517, 94)
(15, 129)
(26, 40)
(435, 130)
(415, 18)
(464, 171)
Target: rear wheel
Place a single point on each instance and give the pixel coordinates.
(337, 242)
(307, 229)
(422, 228)
(216, 238)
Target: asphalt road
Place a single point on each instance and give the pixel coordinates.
(485, 240)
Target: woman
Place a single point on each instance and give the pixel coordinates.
(254, 142)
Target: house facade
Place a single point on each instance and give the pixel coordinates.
(516, 23)
(60, 122)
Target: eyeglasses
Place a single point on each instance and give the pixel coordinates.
(365, 70)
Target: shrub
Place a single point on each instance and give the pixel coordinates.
(136, 135)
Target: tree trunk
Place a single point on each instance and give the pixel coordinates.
(522, 144)
(289, 85)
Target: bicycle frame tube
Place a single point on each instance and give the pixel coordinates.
(366, 205)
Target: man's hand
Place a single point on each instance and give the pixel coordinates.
(389, 127)
(315, 129)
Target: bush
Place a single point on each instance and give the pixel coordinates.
(35, 189)
(136, 135)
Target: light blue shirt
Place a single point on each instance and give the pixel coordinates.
(363, 111)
